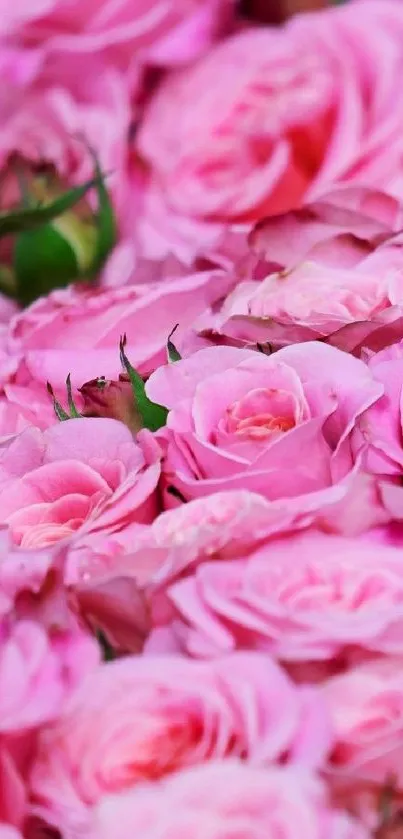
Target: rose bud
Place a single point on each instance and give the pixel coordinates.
(113, 399)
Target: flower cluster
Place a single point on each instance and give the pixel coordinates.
(201, 447)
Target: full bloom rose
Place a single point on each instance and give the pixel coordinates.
(77, 330)
(223, 799)
(333, 271)
(128, 592)
(161, 32)
(306, 597)
(223, 525)
(366, 704)
(39, 670)
(84, 476)
(379, 434)
(274, 116)
(276, 425)
(142, 718)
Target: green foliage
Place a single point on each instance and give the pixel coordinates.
(153, 416)
(60, 412)
(56, 244)
(172, 352)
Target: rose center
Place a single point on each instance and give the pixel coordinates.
(262, 413)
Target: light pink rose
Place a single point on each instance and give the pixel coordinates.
(340, 229)
(126, 591)
(70, 104)
(274, 116)
(379, 434)
(306, 597)
(276, 425)
(332, 272)
(77, 330)
(366, 704)
(142, 718)
(223, 525)
(38, 673)
(122, 586)
(160, 32)
(227, 798)
(85, 478)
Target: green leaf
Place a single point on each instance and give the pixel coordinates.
(152, 415)
(172, 352)
(57, 407)
(29, 218)
(74, 414)
(61, 414)
(105, 220)
(43, 260)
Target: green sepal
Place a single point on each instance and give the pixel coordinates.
(29, 218)
(43, 260)
(172, 352)
(153, 416)
(61, 414)
(74, 414)
(105, 222)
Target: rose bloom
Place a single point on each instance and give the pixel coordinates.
(50, 122)
(275, 425)
(305, 597)
(39, 671)
(273, 116)
(142, 718)
(327, 271)
(161, 32)
(366, 705)
(77, 331)
(379, 435)
(108, 579)
(227, 798)
(84, 476)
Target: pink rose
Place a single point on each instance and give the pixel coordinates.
(227, 798)
(306, 597)
(332, 272)
(276, 425)
(223, 525)
(77, 330)
(142, 718)
(123, 587)
(38, 673)
(366, 704)
(85, 478)
(161, 32)
(339, 230)
(378, 436)
(274, 116)
(49, 119)
(227, 525)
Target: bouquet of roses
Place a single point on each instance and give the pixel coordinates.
(201, 420)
